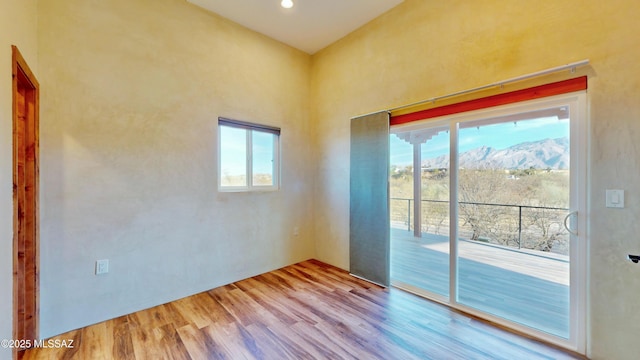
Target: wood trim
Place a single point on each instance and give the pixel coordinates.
(536, 92)
(26, 257)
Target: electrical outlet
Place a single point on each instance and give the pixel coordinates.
(296, 231)
(102, 267)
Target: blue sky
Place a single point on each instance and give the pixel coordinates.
(499, 136)
(234, 151)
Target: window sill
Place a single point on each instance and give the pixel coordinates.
(248, 190)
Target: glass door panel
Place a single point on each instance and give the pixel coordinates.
(419, 190)
(513, 195)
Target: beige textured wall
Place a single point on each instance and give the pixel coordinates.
(424, 48)
(131, 92)
(18, 26)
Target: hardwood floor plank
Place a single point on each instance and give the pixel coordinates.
(199, 345)
(335, 274)
(230, 338)
(191, 311)
(122, 342)
(150, 318)
(292, 349)
(309, 310)
(173, 315)
(171, 343)
(270, 346)
(96, 341)
(277, 306)
(243, 309)
(334, 348)
(214, 310)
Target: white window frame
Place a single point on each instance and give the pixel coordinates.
(250, 128)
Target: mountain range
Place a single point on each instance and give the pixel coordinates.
(542, 154)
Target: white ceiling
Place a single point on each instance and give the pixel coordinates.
(309, 26)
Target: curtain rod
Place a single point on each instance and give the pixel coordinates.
(572, 66)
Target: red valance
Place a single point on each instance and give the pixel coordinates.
(536, 92)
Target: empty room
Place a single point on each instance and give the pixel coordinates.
(354, 179)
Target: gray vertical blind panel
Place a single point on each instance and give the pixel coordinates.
(369, 247)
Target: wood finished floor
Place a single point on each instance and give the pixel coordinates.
(309, 310)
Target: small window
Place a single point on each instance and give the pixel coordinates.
(248, 156)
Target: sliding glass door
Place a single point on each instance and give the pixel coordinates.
(419, 191)
(499, 231)
(513, 195)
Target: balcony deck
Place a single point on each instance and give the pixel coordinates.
(525, 286)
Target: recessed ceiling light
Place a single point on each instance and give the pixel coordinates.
(287, 4)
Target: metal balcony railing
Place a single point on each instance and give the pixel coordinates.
(519, 226)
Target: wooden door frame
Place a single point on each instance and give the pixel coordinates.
(26, 233)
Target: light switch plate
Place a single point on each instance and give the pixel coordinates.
(615, 198)
(102, 266)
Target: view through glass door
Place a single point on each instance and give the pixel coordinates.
(419, 209)
(507, 246)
